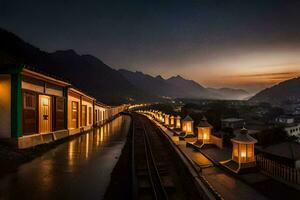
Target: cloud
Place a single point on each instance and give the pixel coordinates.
(277, 75)
(257, 81)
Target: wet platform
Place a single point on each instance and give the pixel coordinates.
(77, 169)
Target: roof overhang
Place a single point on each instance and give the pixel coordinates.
(39, 76)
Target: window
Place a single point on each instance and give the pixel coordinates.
(29, 101)
(30, 114)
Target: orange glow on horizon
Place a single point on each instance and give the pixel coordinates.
(252, 69)
(254, 80)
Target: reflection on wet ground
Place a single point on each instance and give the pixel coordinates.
(78, 169)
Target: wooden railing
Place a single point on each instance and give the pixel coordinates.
(278, 170)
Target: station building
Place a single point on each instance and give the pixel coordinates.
(37, 108)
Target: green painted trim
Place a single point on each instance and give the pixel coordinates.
(16, 105)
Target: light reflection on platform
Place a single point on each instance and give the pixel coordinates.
(78, 169)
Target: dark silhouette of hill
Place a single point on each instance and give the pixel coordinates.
(98, 79)
(84, 71)
(286, 91)
(178, 87)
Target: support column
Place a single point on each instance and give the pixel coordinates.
(16, 105)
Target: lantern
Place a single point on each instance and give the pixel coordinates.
(178, 123)
(166, 119)
(204, 131)
(172, 121)
(243, 147)
(187, 125)
(162, 119)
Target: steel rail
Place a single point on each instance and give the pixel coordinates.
(158, 187)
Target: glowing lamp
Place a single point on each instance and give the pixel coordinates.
(243, 154)
(178, 122)
(187, 125)
(204, 130)
(172, 120)
(243, 148)
(167, 120)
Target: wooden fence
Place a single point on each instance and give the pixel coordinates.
(278, 170)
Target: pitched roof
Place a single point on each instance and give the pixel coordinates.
(204, 123)
(232, 120)
(244, 137)
(290, 150)
(187, 118)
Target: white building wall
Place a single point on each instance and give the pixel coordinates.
(293, 130)
(286, 120)
(5, 106)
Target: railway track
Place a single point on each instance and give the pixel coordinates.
(157, 174)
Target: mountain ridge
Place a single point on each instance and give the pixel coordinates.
(105, 83)
(282, 92)
(178, 87)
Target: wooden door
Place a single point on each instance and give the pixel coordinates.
(44, 114)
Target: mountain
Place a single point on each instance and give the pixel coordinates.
(156, 86)
(190, 88)
(230, 93)
(282, 92)
(174, 87)
(84, 71)
(100, 80)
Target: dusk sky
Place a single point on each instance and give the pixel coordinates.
(241, 44)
